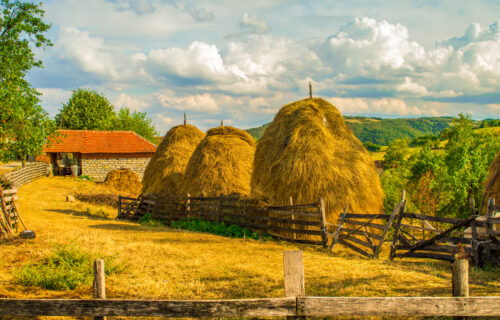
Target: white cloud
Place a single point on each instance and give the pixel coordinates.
(253, 23)
(199, 14)
(199, 102)
(374, 106)
(53, 98)
(126, 101)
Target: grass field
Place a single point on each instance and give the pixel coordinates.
(164, 263)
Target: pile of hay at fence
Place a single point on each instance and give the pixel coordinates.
(164, 172)
(221, 164)
(308, 152)
(124, 180)
(492, 184)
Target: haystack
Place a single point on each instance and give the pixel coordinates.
(492, 184)
(221, 164)
(308, 152)
(165, 169)
(124, 180)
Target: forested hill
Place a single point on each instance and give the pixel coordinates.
(382, 131)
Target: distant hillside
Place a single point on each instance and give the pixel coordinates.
(382, 131)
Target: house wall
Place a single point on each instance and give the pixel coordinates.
(98, 166)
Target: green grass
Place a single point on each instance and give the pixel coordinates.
(65, 268)
(218, 228)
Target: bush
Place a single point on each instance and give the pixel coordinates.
(67, 267)
(147, 220)
(373, 147)
(218, 228)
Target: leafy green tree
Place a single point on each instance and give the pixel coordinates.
(137, 122)
(86, 110)
(373, 147)
(24, 125)
(396, 154)
(468, 156)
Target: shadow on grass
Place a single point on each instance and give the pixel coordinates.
(130, 227)
(76, 213)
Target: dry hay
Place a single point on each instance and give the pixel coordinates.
(124, 180)
(165, 169)
(105, 199)
(492, 184)
(308, 152)
(221, 164)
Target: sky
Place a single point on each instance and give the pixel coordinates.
(240, 61)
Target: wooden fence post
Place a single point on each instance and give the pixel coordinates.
(293, 270)
(460, 278)
(473, 229)
(294, 234)
(402, 206)
(99, 285)
(119, 207)
(188, 200)
(322, 209)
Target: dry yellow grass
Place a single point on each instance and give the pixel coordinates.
(170, 264)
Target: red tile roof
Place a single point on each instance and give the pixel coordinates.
(93, 141)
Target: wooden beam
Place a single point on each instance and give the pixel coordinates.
(150, 308)
(398, 306)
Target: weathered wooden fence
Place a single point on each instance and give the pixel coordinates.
(9, 215)
(362, 232)
(294, 304)
(423, 236)
(22, 176)
(303, 223)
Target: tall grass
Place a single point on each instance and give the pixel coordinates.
(65, 268)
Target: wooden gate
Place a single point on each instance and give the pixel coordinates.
(352, 231)
(9, 215)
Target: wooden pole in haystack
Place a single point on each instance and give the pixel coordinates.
(310, 90)
(222, 123)
(185, 120)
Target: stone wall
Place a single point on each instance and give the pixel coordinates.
(98, 169)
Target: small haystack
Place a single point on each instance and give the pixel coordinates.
(492, 184)
(308, 152)
(221, 164)
(124, 180)
(165, 170)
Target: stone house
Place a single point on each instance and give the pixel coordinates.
(96, 153)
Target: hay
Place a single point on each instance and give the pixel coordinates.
(221, 164)
(308, 152)
(124, 180)
(492, 183)
(165, 170)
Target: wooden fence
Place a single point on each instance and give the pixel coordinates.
(364, 233)
(294, 304)
(9, 215)
(22, 176)
(423, 236)
(304, 223)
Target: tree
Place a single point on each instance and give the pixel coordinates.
(468, 155)
(91, 110)
(24, 125)
(396, 153)
(86, 110)
(137, 122)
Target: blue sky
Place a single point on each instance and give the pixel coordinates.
(242, 60)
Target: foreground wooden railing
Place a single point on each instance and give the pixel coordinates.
(295, 304)
(300, 306)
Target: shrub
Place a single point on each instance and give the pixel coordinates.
(147, 220)
(65, 268)
(218, 228)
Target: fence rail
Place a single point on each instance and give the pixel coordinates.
(304, 223)
(22, 176)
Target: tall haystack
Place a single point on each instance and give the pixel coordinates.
(165, 169)
(308, 152)
(492, 184)
(124, 180)
(221, 164)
